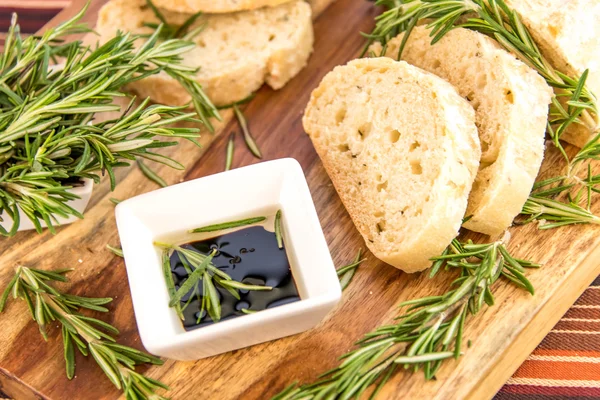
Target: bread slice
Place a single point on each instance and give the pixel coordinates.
(215, 6)
(236, 52)
(568, 34)
(511, 110)
(401, 148)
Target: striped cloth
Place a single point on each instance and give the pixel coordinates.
(566, 365)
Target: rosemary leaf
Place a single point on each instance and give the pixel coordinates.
(229, 154)
(115, 201)
(248, 138)
(243, 286)
(278, 235)
(191, 280)
(150, 174)
(115, 250)
(346, 273)
(228, 225)
(247, 311)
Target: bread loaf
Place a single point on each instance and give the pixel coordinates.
(568, 34)
(401, 148)
(511, 111)
(236, 53)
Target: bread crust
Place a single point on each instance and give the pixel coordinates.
(215, 6)
(512, 124)
(283, 38)
(428, 223)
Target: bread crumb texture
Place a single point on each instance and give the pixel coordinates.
(511, 110)
(236, 52)
(401, 148)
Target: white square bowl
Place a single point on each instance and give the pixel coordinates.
(228, 196)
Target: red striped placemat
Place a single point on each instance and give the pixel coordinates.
(33, 14)
(566, 365)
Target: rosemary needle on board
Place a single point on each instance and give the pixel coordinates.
(229, 153)
(150, 174)
(346, 273)
(115, 250)
(248, 138)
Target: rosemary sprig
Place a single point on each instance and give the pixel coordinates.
(171, 31)
(248, 138)
(86, 334)
(229, 152)
(49, 138)
(201, 271)
(573, 103)
(277, 229)
(150, 174)
(228, 225)
(428, 332)
(346, 273)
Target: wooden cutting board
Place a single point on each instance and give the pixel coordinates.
(502, 336)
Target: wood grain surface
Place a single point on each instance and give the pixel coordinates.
(502, 336)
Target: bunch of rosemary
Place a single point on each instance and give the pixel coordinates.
(86, 334)
(572, 104)
(429, 332)
(49, 139)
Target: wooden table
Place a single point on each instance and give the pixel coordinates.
(502, 336)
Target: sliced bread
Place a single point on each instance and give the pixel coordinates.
(511, 110)
(401, 148)
(236, 52)
(215, 6)
(568, 34)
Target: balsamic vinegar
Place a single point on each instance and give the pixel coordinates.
(249, 255)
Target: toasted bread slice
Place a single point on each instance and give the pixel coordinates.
(401, 148)
(236, 53)
(511, 110)
(568, 34)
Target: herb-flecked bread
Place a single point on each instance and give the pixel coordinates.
(568, 34)
(236, 52)
(402, 150)
(511, 110)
